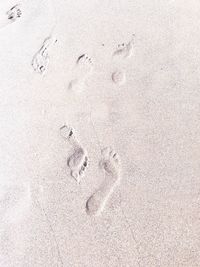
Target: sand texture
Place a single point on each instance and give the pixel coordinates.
(99, 133)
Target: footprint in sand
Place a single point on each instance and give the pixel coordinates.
(83, 69)
(67, 132)
(122, 52)
(11, 15)
(14, 13)
(111, 164)
(119, 77)
(40, 60)
(78, 161)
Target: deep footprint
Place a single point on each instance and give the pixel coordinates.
(83, 68)
(111, 164)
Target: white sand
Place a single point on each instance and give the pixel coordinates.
(149, 114)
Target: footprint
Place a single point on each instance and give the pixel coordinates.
(111, 164)
(78, 161)
(83, 69)
(124, 50)
(14, 13)
(40, 60)
(66, 132)
(119, 77)
(11, 16)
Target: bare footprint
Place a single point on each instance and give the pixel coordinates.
(14, 13)
(111, 164)
(66, 132)
(83, 69)
(11, 16)
(124, 51)
(78, 161)
(40, 60)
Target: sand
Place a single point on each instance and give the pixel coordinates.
(99, 139)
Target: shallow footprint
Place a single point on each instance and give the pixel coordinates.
(111, 164)
(66, 132)
(11, 16)
(14, 13)
(40, 60)
(119, 77)
(124, 50)
(78, 161)
(83, 68)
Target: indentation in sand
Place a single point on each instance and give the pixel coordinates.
(14, 13)
(78, 161)
(83, 69)
(119, 77)
(40, 60)
(111, 164)
(66, 132)
(124, 51)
